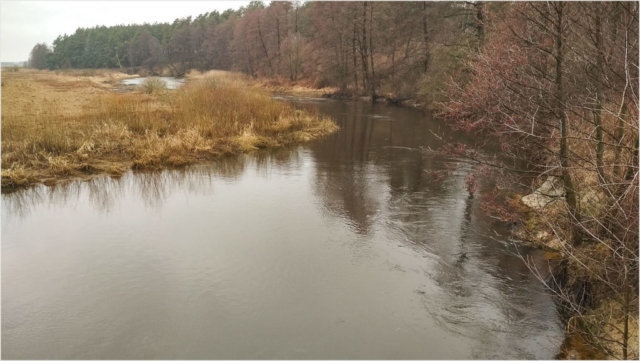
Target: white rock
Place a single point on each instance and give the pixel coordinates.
(555, 243)
(550, 191)
(542, 235)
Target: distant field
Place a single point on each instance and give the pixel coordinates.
(13, 63)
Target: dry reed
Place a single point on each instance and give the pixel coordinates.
(218, 113)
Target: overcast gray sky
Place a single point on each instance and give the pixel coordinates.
(25, 23)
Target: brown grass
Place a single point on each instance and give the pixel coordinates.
(11, 69)
(153, 86)
(302, 87)
(278, 85)
(216, 114)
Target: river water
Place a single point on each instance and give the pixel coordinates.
(341, 248)
(169, 82)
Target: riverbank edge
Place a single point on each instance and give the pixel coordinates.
(116, 168)
(412, 102)
(533, 232)
(304, 88)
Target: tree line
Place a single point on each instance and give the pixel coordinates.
(367, 47)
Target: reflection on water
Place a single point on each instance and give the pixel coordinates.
(342, 248)
(152, 188)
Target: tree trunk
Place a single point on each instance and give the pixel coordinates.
(278, 36)
(373, 69)
(598, 107)
(425, 35)
(131, 60)
(118, 59)
(562, 117)
(617, 168)
(264, 47)
(295, 23)
(343, 67)
(353, 49)
(363, 48)
(628, 257)
(478, 7)
(625, 335)
(393, 65)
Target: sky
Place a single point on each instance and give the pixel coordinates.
(25, 23)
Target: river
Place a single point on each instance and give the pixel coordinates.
(169, 81)
(343, 248)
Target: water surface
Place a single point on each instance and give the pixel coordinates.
(342, 248)
(169, 82)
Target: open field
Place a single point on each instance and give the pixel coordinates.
(65, 125)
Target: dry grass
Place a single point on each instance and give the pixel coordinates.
(218, 113)
(303, 87)
(153, 86)
(11, 69)
(278, 85)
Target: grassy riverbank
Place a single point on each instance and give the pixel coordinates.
(62, 126)
(307, 88)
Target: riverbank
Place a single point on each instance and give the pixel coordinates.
(307, 88)
(58, 126)
(411, 102)
(601, 322)
(275, 85)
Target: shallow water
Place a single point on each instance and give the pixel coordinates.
(342, 248)
(170, 82)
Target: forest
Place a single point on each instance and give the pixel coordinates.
(398, 48)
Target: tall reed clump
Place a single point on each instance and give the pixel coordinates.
(238, 110)
(153, 86)
(213, 115)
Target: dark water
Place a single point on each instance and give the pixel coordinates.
(342, 248)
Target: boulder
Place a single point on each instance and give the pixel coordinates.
(550, 191)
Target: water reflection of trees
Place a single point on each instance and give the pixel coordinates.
(372, 173)
(344, 180)
(484, 289)
(373, 156)
(151, 187)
